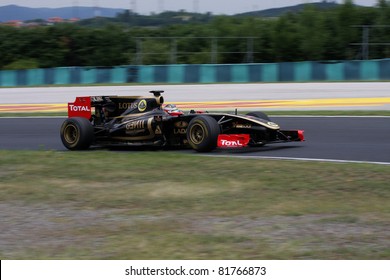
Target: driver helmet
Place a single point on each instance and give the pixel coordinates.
(171, 108)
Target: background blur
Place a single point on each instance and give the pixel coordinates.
(305, 32)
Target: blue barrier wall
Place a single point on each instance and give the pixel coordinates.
(372, 70)
(68, 75)
(359, 70)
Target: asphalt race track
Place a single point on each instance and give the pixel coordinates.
(327, 138)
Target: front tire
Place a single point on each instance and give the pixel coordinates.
(202, 133)
(77, 133)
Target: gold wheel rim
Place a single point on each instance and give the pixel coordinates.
(71, 134)
(197, 134)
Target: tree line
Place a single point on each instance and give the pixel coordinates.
(311, 35)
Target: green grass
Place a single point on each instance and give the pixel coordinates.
(167, 205)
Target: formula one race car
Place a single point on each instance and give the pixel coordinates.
(145, 121)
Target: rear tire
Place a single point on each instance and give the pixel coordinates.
(260, 115)
(77, 133)
(202, 133)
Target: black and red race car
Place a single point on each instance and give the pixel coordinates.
(145, 121)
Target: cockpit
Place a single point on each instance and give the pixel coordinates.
(172, 110)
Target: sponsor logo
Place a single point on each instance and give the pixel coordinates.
(97, 98)
(272, 124)
(181, 124)
(77, 108)
(135, 125)
(180, 127)
(180, 131)
(158, 130)
(227, 143)
(233, 140)
(124, 106)
(241, 125)
(142, 105)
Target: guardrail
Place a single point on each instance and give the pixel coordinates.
(307, 71)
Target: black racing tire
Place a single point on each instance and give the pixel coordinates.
(77, 133)
(260, 115)
(202, 133)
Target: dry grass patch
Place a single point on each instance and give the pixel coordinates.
(167, 205)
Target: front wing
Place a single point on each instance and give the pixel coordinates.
(244, 140)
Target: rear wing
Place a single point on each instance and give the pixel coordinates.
(81, 107)
(116, 105)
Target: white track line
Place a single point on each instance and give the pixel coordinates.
(305, 159)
